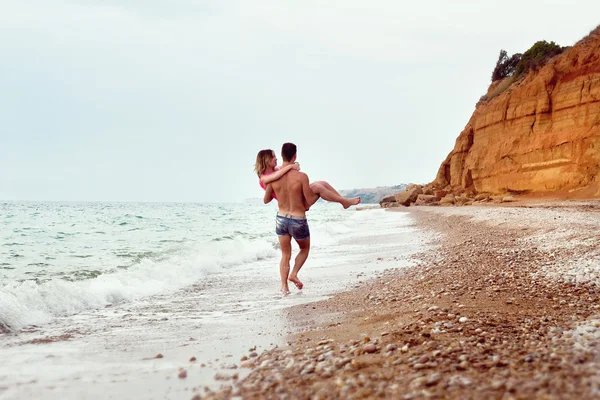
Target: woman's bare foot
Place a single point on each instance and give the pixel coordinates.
(351, 202)
(296, 282)
(285, 291)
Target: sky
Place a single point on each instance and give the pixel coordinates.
(156, 100)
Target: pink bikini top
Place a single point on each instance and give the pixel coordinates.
(262, 185)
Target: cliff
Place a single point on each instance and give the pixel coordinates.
(540, 134)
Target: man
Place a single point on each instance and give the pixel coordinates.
(294, 197)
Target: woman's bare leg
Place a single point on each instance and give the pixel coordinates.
(328, 186)
(332, 195)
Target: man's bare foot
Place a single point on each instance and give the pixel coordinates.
(296, 282)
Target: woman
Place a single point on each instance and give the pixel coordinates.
(267, 170)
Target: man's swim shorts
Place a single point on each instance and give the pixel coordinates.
(296, 227)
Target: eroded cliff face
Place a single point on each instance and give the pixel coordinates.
(541, 134)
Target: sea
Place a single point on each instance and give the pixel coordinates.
(112, 300)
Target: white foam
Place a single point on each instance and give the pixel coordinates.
(28, 303)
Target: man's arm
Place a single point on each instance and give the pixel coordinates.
(309, 196)
(266, 179)
(268, 194)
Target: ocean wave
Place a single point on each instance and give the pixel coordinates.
(28, 303)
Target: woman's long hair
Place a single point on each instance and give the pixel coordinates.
(263, 158)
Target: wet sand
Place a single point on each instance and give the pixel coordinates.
(503, 304)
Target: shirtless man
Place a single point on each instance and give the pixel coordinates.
(294, 197)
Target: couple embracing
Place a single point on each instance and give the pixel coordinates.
(295, 195)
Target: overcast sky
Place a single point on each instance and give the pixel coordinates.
(156, 100)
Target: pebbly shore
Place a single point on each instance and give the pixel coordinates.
(503, 304)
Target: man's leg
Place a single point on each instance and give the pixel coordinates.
(299, 262)
(285, 242)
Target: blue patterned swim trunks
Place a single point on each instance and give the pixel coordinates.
(289, 225)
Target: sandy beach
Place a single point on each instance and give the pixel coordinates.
(503, 303)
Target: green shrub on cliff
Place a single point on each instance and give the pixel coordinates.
(505, 66)
(518, 64)
(537, 56)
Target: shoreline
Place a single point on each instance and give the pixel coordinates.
(504, 304)
(175, 343)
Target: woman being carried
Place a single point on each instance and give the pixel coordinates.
(267, 170)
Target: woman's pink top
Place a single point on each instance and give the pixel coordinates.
(262, 185)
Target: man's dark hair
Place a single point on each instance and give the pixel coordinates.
(288, 150)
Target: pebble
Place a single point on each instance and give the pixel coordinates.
(221, 377)
(391, 347)
(497, 384)
(309, 369)
(369, 348)
(433, 379)
(459, 380)
(327, 374)
(417, 382)
(463, 319)
(423, 359)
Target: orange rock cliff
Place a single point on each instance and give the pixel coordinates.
(541, 134)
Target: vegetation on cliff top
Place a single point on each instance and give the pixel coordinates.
(505, 66)
(518, 65)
